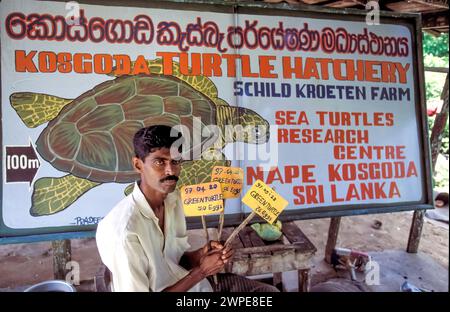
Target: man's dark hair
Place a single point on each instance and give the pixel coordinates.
(149, 139)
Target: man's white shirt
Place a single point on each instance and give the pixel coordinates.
(134, 249)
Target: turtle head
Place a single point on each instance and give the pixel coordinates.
(256, 128)
(241, 124)
(250, 127)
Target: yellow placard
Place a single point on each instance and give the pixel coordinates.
(263, 200)
(230, 179)
(202, 199)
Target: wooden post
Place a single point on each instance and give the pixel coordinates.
(332, 237)
(278, 280)
(435, 144)
(62, 254)
(415, 231)
(304, 280)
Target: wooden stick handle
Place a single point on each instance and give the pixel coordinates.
(206, 229)
(219, 232)
(239, 228)
(221, 221)
(207, 242)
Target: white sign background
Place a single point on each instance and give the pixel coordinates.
(98, 201)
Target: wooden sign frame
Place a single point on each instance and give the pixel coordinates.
(412, 21)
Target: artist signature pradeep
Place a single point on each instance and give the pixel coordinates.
(86, 220)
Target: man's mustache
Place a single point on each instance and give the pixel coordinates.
(168, 178)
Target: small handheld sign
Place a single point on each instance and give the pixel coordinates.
(202, 199)
(267, 203)
(230, 179)
(264, 201)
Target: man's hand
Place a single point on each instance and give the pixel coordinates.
(227, 253)
(213, 257)
(211, 263)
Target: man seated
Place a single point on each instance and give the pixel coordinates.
(143, 238)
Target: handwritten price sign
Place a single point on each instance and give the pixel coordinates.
(230, 179)
(267, 203)
(202, 199)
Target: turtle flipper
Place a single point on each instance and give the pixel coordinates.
(36, 108)
(220, 102)
(52, 195)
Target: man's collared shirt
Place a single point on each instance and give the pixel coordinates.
(134, 249)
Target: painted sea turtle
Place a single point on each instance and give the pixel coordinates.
(90, 137)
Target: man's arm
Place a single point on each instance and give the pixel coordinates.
(191, 259)
(209, 264)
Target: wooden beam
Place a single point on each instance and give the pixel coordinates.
(313, 1)
(413, 6)
(296, 237)
(278, 1)
(333, 232)
(304, 280)
(268, 248)
(278, 280)
(436, 31)
(102, 279)
(434, 4)
(62, 254)
(437, 69)
(415, 231)
(435, 20)
(344, 4)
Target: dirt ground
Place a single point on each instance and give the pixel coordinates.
(357, 233)
(27, 264)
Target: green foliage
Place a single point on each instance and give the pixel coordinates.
(437, 46)
(434, 82)
(432, 86)
(435, 52)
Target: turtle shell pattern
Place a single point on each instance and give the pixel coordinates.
(92, 137)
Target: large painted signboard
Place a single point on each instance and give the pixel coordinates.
(324, 108)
